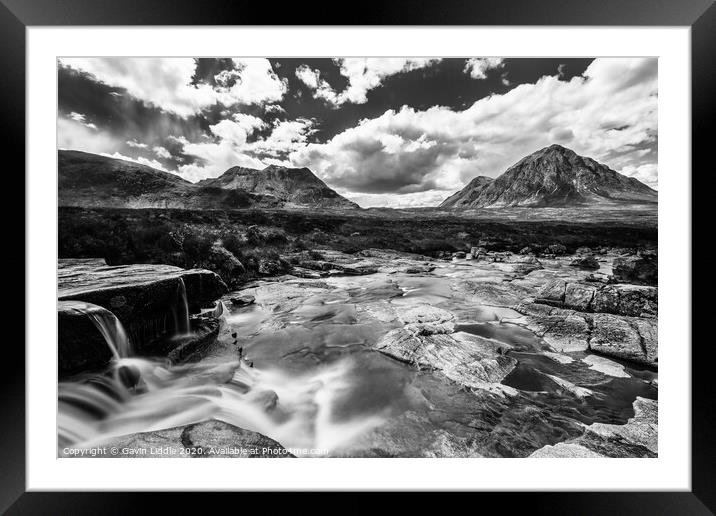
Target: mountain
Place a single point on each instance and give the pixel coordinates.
(293, 186)
(91, 180)
(553, 176)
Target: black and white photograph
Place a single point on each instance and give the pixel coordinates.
(357, 257)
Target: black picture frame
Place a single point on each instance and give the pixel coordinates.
(700, 15)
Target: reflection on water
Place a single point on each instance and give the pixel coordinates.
(315, 382)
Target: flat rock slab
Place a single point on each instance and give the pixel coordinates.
(467, 359)
(142, 296)
(115, 287)
(427, 320)
(565, 451)
(642, 429)
(629, 338)
(637, 438)
(209, 439)
(617, 299)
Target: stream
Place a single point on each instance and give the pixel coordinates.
(298, 366)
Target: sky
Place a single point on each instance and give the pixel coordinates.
(394, 132)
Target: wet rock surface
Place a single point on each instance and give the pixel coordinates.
(80, 345)
(469, 360)
(434, 358)
(619, 299)
(145, 298)
(208, 439)
(628, 338)
(637, 438)
(129, 290)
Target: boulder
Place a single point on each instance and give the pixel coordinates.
(80, 345)
(641, 269)
(529, 258)
(269, 267)
(426, 269)
(223, 262)
(585, 262)
(556, 249)
(243, 300)
(208, 439)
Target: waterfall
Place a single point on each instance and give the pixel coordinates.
(111, 329)
(181, 311)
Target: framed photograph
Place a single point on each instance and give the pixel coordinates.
(426, 251)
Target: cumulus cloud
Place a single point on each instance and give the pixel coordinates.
(232, 148)
(252, 82)
(609, 114)
(167, 82)
(287, 136)
(477, 67)
(161, 152)
(363, 74)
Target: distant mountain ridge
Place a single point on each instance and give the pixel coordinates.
(554, 176)
(91, 180)
(295, 186)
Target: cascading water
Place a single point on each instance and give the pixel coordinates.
(110, 327)
(180, 311)
(168, 396)
(299, 369)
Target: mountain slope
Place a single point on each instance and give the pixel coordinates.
(294, 186)
(553, 176)
(90, 180)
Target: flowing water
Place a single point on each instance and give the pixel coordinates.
(109, 327)
(180, 310)
(301, 371)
